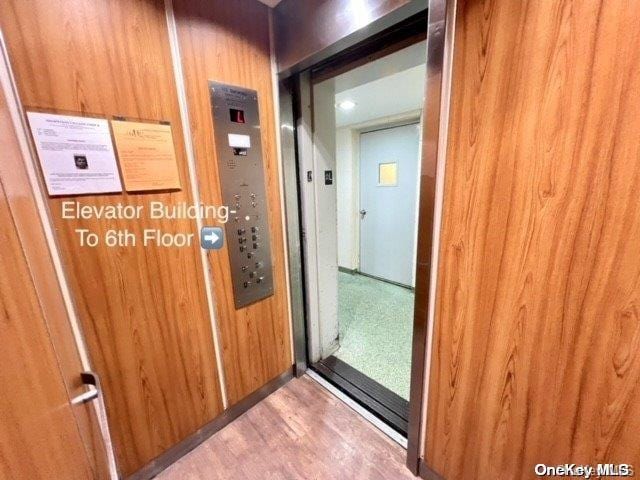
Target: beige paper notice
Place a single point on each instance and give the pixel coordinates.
(147, 155)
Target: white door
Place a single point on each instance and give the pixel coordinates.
(388, 195)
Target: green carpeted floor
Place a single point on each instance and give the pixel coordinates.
(376, 321)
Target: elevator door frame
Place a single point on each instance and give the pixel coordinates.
(296, 132)
(316, 96)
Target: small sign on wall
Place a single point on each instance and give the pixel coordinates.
(76, 154)
(388, 174)
(147, 155)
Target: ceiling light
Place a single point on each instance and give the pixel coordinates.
(346, 104)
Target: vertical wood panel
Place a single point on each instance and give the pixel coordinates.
(229, 42)
(536, 354)
(35, 412)
(143, 310)
(27, 223)
(34, 407)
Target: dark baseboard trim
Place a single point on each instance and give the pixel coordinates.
(427, 473)
(299, 369)
(385, 280)
(347, 270)
(180, 449)
(357, 272)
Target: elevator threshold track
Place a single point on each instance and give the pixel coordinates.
(388, 406)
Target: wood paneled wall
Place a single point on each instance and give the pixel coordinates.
(229, 42)
(40, 367)
(34, 406)
(143, 310)
(536, 353)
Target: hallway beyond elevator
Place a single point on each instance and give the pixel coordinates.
(375, 329)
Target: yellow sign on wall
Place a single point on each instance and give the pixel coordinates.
(147, 155)
(388, 175)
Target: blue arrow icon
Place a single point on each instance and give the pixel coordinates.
(211, 238)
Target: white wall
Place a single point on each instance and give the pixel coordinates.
(382, 97)
(347, 154)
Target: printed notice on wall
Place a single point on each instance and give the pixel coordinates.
(147, 155)
(76, 154)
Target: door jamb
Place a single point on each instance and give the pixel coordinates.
(440, 29)
(290, 132)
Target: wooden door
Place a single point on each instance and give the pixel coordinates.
(41, 434)
(536, 354)
(39, 437)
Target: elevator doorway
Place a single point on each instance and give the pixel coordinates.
(359, 181)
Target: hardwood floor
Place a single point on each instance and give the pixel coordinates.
(299, 432)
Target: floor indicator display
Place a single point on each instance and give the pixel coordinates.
(241, 168)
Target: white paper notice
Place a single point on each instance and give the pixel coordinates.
(76, 154)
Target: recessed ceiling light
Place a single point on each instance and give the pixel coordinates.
(346, 104)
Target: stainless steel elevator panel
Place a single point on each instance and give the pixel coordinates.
(236, 124)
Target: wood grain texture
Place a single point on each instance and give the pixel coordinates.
(34, 407)
(143, 310)
(27, 223)
(537, 337)
(229, 42)
(35, 412)
(300, 432)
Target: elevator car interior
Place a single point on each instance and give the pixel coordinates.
(319, 239)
